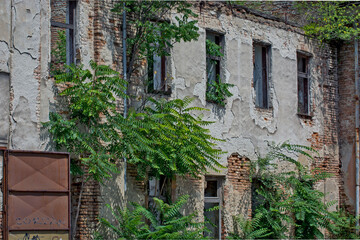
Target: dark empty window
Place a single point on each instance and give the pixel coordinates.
(261, 74)
(303, 84)
(212, 199)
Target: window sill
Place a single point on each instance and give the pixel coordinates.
(305, 116)
(261, 109)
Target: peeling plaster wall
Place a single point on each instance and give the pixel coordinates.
(240, 123)
(24, 57)
(247, 130)
(25, 92)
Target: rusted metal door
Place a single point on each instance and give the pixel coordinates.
(37, 195)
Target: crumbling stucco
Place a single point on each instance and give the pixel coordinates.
(24, 57)
(247, 129)
(4, 108)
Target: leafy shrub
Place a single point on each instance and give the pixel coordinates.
(248, 228)
(288, 200)
(165, 221)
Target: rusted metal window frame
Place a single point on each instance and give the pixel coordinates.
(70, 27)
(306, 81)
(265, 74)
(6, 192)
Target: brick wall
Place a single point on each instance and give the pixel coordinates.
(89, 209)
(237, 191)
(58, 14)
(107, 34)
(347, 123)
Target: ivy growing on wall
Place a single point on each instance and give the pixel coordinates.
(216, 91)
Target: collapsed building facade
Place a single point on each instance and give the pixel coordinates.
(286, 87)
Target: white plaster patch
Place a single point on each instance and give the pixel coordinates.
(199, 91)
(26, 27)
(179, 83)
(5, 25)
(4, 57)
(23, 81)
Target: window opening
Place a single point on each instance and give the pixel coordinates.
(158, 72)
(157, 69)
(212, 199)
(261, 74)
(160, 188)
(303, 84)
(63, 15)
(213, 58)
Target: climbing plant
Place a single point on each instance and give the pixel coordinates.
(216, 91)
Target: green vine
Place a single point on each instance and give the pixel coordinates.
(216, 91)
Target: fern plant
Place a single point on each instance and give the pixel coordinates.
(87, 127)
(165, 139)
(165, 221)
(344, 225)
(180, 142)
(288, 198)
(248, 228)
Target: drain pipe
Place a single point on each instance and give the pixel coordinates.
(125, 78)
(357, 146)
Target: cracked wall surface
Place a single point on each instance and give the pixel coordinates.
(247, 129)
(27, 95)
(24, 57)
(24, 48)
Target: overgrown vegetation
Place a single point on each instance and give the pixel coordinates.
(164, 139)
(249, 228)
(331, 20)
(165, 221)
(216, 91)
(152, 30)
(289, 206)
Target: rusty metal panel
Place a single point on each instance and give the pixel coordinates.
(38, 211)
(37, 172)
(39, 235)
(37, 195)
